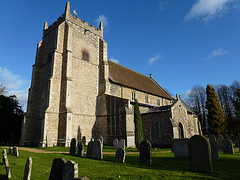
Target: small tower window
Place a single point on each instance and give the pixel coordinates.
(85, 55)
(146, 99)
(133, 96)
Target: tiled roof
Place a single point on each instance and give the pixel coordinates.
(127, 77)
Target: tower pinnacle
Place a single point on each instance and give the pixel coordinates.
(67, 7)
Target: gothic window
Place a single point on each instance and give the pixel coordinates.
(155, 130)
(180, 131)
(85, 55)
(133, 96)
(158, 102)
(146, 99)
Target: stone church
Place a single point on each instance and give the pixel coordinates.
(77, 92)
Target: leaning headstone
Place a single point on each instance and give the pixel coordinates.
(80, 149)
(70, 170)
(200, 154)
(57, 169)
(115, 143)
(228, 146)
(15, 151)
(120, 155)
(10, 150)
(180, 147)
(49, 140)
(97, 149)
(28, 169)
(89, 149)
(214, 147)
(121, 143)
(145, 152)
(73, 147)
(6, 163)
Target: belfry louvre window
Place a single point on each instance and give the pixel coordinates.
(85, 55)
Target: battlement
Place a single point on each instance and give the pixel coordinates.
(67, 16)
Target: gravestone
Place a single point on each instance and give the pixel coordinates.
(49, 140)
(10, 150)
(57, 169)
(73, 147)
(228, 146)
(120, 155)
(180, 147)
(145, 152)
(84, 140)
(200, 154)
(6, 163)
(15, 151)
(115, 143)
(89, 149)
(214, 147)
(100, 138)
(70, 170)
(121, 143)
(97, 149)
(80, 149)
(220, 142)
(28, 169)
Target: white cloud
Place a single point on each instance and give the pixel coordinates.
(207, 9)
(114, 60)
(217, 52)
(186, 94)
(155, 58)
(15, 85)
(162, 5)
(102, 18)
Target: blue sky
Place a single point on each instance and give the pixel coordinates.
(182, 43)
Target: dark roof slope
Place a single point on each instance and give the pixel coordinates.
(124, 76)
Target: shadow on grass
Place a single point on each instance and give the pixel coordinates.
(3, 177)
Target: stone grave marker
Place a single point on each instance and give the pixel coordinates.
(115, 143)
(57, 169)
(80, 149)
(180, 147)
(121, 143)
(49, 140)
(10, 150)
(120, 155)
(28, 169)
(15, 151)
(200, 154)
(228, 146)
(89, 149)
(97, 149)
(145, 152)
(100, 138)
(73, 146)
(6, 163)
(214, 147)
(70, 170)
(220, 142)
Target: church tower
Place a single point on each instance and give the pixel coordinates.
(68, 75)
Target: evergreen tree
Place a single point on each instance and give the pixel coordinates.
(138, 124)
(217, 123)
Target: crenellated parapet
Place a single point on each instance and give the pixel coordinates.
(67, 16)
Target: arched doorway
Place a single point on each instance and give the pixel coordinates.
(180, 130)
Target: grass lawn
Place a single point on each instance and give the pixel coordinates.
(164, 166)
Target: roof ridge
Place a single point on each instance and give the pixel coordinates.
(129, 69)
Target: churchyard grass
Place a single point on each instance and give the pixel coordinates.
(164, 166)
